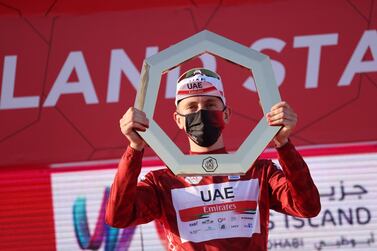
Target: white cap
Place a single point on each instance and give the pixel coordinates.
(199, 81)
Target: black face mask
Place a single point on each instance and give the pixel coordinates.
(204, 127)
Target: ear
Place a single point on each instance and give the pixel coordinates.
(227, 114)
(179, 120)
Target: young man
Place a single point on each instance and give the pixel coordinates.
(210, 212)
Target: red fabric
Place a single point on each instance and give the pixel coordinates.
(131, 202)
(26, 209)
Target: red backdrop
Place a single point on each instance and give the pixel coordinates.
(312, 43)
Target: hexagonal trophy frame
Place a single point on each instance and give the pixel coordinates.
(238, 162)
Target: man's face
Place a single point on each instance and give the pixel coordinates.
(196, 103)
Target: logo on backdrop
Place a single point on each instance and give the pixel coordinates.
(102, 231)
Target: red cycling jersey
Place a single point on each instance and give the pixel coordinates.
(213, 212)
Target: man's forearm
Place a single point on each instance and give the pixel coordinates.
(123, 190)
(301, 186)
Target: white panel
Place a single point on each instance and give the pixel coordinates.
(68, 186)
(348, 188)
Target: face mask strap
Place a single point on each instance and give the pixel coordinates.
(182, 115)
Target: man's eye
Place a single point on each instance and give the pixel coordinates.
(211, 106)
(191, 108)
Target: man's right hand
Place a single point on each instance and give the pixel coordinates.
(134, 120)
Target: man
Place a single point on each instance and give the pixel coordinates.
(210, 212)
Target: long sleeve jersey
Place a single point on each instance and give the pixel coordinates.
(213, 212)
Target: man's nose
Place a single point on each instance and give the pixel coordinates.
(199, 108)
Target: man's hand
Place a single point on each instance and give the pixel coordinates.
(283, 115)
(134, 120)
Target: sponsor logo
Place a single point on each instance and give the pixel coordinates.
(247, 218)
(222, 226)
(234, 226)
(249, 225)
(225, 193)
(234, 177)
(210, 228)
(208, 221)
(219, 208)
(219, 220)
(193, 179)
(195, 231)
(193, 224)
(202, 212)
(102, 231)
(195, 85)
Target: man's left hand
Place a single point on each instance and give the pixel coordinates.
(283, 115)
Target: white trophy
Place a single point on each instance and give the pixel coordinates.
(207, 164)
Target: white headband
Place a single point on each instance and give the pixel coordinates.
(199, 84)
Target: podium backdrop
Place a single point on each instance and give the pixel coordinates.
(70, 69)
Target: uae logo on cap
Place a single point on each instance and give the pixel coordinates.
(209, 164)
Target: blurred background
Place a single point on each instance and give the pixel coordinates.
(70, 69)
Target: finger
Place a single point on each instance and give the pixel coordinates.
(280, 105)
(283, 122)
(275, 111)
(142, 119)
(279, 116)
(133, 112)
(281, 108)
(133, 126)
(144, 122)
(282, 115)
(283, 119)
(139, 118)
(278, 121)
(130, 131)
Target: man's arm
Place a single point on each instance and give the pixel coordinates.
(131, 202)
(293, 190)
